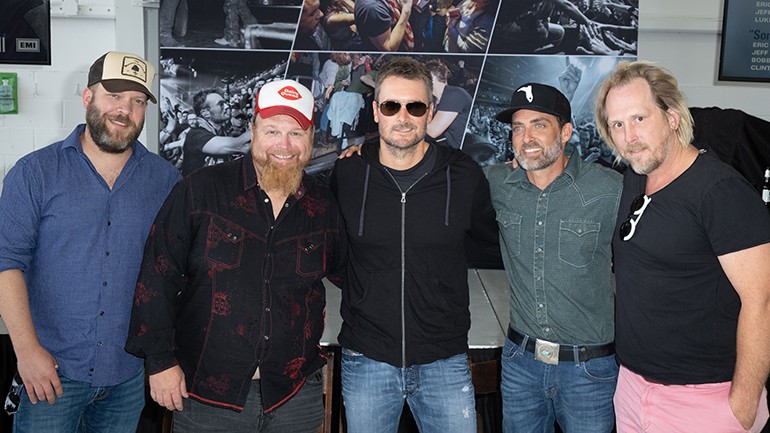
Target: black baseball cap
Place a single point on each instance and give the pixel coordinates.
(538, 97)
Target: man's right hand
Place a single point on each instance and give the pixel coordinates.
(37, 369)
(168, 388)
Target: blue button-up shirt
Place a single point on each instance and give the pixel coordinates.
(556, 246)
(79, 244)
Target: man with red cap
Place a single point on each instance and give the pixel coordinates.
(229, 306)
(73, 220)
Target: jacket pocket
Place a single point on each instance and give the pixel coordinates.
(224, 243)
(578, 241)
(311, 255)
(510, 231)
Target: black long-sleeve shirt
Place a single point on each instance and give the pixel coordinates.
(225, 288)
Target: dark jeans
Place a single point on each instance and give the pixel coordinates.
(303, 413)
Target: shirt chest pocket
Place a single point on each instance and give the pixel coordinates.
(224, 243)
(578, 241)
(510, 231)
(311, 255)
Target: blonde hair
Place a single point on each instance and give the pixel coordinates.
(665, 92)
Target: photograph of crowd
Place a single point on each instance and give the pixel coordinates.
(343, 86)
(578, 77)
(207, 101)
(228, 24)
(582, 27)
(216, 55)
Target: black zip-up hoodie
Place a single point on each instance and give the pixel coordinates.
(405, 294)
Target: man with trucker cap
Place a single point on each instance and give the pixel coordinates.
(74, 217)
(556, 215)
(229, 305)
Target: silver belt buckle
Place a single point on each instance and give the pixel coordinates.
(547, 352)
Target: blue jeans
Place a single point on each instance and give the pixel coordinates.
(302, 413)
(83, 408)
(578, 395)
(440, 395)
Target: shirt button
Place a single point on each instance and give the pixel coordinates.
(547, 329)
(266, 338)
(267, 309)
(540, 305)
(539, 223)
(267, 200)
(545, 194)
(99, 344)
(286, 205)
(106, 253)
(539, 250)
(104, 283)
(101, 313)
(109, 223)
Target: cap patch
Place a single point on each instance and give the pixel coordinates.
(134, 67)
(290, 93)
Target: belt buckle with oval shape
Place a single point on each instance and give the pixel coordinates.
(547, 352)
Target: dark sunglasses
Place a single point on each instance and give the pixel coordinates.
(628, 228)
(416, 109)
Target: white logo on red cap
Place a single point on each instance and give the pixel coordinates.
(290, 93)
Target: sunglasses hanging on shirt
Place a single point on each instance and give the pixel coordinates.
(638, 206)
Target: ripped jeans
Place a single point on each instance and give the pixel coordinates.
(440, 395)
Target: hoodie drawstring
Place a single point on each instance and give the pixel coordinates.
(363, 202)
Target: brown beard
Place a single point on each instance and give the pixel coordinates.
(280, 178)
(97, 126)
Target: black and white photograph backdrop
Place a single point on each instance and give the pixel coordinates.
(578, 77)
(478, 52)
(228, 24)
(206, 93)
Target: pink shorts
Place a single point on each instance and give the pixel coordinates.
(642, 406)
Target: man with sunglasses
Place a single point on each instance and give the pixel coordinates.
(556, 214)
(410, 208)
(692, 259)
(209, 140)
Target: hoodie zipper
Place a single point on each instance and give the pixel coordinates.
(403, 261)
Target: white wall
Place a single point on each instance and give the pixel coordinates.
(682, 35)
(49, 96)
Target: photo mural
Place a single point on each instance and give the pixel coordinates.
(215, 56)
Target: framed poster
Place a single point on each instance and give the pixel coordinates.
(745, 54)
(25, 32)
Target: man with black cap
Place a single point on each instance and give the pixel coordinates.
(73, 220)
(556, 215)
(229, 305)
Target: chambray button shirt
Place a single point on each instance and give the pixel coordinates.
(80, 245)
(556, 250)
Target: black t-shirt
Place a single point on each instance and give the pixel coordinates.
(407, 178)
(676, 311)
(193, 156)
(455, 100)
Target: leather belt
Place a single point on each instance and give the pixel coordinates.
(566, 352)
